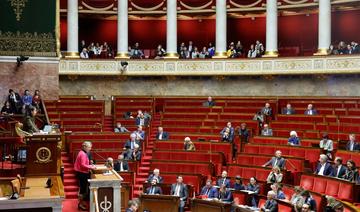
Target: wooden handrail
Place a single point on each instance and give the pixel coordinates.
(45, 112)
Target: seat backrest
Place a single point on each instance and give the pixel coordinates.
(307, 182)
(261, 203)
(332, 188)
(319, 185)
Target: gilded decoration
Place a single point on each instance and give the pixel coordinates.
(18, 6)
(30, 44)
(222, 67)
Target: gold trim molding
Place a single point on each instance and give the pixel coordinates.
(211, 67)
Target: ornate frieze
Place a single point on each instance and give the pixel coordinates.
(266, 66)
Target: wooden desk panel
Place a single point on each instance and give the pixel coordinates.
(200, 205)
(159, 203)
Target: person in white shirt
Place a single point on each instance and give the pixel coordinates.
(252, 52)
(339, 168)
(84, 54)
(324, 168)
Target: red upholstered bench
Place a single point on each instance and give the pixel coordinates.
(225, 148)
(218, 158)
(204, 168)
(196, 180)
(347, 155)
(282, 206)
(337, 188)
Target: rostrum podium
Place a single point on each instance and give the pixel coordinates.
(43, 154)
(105, 190)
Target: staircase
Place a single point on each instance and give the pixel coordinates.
(108, 124)
(144, 166)
(70, 182)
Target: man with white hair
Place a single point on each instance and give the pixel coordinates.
(161, 135)
(223, 180)
(130, 144)
(188, 145)
(277, 160)
(121, 165)
(155, 175)
(135, 153)
(310, 110)
(324, 167)
(270, 205)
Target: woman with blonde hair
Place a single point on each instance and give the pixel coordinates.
(82, 168)
(188, 144)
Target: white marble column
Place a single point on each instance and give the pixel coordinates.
(324, 39)
(271, 29)
(122, 29)
(220, 44)
(171, 29)
(72, 30)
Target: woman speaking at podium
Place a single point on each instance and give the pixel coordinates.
(82, 167)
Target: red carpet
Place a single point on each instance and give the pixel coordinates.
(70, 205)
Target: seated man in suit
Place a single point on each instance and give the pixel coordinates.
(267, 112)
(288, 110)
(310, 110)
(120, 129)
(223, 180)
(209, 103)
(266, 131)
(270, 205)
(224, 194)
(161, 135)
(140, 134)
(135, 154)
(339, 168)
(141, 120)
(324, 167)
(121, 165)
(209, 190)
(130, 144)
(277, 160)
(352, 144)
(308, 200)
(155, 175)
(228, 133)
(154, 189)
(189, 145)
(180, 189)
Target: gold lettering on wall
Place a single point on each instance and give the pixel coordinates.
(18, 6)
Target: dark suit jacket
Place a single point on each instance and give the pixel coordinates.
(286, 111)
(129, 210)
(137, 121)
(328, 171)
(165, 136)
(125, 166)
(209, 104)
(271, 205)
(268, 113)
(157, 190)
(355, 147)
(183, 191)
(314, 112)
(151, 176)
(135, 156)
(128, 144)
(221, 181)
(352, 175)
(341, 172)
(280, 163)
(226, 196)
(211, 192)
(231, 134)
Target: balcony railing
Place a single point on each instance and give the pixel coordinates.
(211, 67)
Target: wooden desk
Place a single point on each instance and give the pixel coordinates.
(200, 205)
(159, 203)
(37, 197)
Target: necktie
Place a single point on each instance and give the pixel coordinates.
(121, 166)
(276, 161)
(132, 145)
(152, 190)
(208, 191)
(224, 181)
